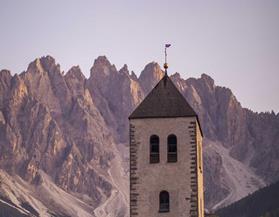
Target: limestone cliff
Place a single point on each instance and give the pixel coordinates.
(68, 135)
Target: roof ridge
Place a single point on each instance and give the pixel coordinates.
(164, 100)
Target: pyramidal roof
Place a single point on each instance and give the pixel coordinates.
(163, 101)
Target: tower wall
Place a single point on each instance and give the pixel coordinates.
(199, 172)
(182, 179)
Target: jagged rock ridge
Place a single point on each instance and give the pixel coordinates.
(72, 132)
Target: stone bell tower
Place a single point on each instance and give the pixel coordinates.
(166, 172)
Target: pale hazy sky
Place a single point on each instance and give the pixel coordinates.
(235, 42)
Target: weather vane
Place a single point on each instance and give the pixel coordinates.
(166, 64)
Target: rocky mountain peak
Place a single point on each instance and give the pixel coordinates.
(102, 67)
(152, 70)
(150, 76)
(5, 83)
(48, 62)
(124, 70)
(208, 80)
(4, 73)
(43, 64)
(75, 81)
(134, 76)
(35, 67)
(176, 77)
(102, 60)
(5, 78)
(75, 73)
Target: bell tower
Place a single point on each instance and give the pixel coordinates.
(166, 173)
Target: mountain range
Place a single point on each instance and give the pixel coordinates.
(64, 138)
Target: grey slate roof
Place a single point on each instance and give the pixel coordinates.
(163, 101)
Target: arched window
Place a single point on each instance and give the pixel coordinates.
(164, 199)
(154, 149)
(172, 148)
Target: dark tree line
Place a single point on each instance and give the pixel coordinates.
(262, 203)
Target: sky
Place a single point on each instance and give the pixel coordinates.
(235, 42)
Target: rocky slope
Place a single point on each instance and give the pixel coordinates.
(69, 134)
(243, 133)
(50, 125)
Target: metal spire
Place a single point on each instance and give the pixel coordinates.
(166, 64)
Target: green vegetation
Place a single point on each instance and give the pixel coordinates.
(262, 203)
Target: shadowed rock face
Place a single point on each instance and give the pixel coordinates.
(69, 126)
(115, 93)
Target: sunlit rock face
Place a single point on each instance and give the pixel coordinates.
(150, 76)
(50, 123)
(63, 133)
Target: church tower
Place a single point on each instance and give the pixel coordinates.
(166, 172)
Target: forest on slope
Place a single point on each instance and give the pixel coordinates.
(262, 203)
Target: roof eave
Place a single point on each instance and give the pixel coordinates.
(153, 117)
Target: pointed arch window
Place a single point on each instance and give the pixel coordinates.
(164, 199)
(172, 148)
(154, 149)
